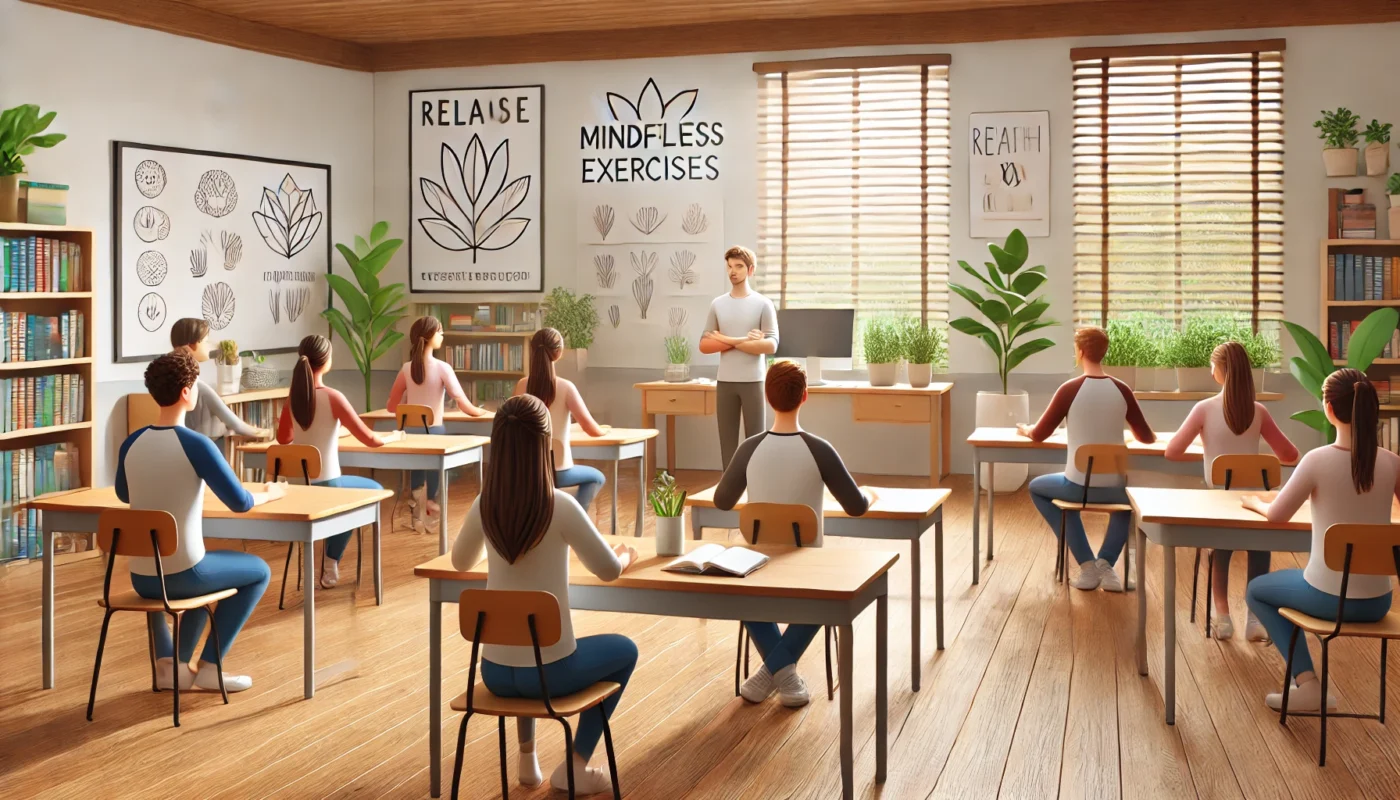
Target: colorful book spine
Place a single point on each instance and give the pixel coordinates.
(25, 474)
(40, 264)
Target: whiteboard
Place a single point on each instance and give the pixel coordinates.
(242, 241)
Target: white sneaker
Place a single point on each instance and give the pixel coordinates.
(528, 773)
(1254, 630)
(1222, 627)
(1307, 697)
(1088, 578)
(330, 573)
(588, 780)
(165, 674)
(208, 679)
(1108, 577)
(792, 690)
(758, 687)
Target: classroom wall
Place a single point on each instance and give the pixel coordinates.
(115, 82)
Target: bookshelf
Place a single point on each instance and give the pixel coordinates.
(24, 449)
(1340, 307)
(487, 343)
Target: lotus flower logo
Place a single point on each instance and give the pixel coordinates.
(473, 204)
(650, 107)
(287, 219)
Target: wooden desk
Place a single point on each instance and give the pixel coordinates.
(812, 585)
(307, 514)
(416, 451)
(899, 404)
(1176, 518)
(897, 514)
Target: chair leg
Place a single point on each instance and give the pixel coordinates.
(1059, 558)
(299, 560)
(359, 554)
(830, 683)
(1064, 548)
(738, 659)
(176, 683)
(1287, 678)
(1196, 576)
(1210, 582)
(97, 665)
(218, 652)
(461, 746)
(1127, 564)
(1384, 642)
(151, 648)
(501, 736)
(1322, 713)
(286, 570)
(612, 758)
(569, 754)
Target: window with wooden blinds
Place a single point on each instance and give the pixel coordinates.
(1178, 181)
(853, 185)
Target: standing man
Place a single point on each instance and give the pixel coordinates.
(743, 328)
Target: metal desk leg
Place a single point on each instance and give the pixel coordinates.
(1141, 644)
(49, 669)
(976, 515)
(935, 435)
(991, 507)
(915, 613)
(435, 697)
(378, 572)
(846, 660)
(882, 711)
(308, 621)
(937, 578)
(694, 523)
(1169, 630)
(641, 497)
(614, 497)
(442, 512)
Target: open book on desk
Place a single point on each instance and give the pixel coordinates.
(716, 559)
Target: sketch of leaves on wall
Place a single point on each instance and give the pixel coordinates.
(295, 301)
(678, 317)
(473, 204)
(151, 267)
(151, 224)
(695, 222)
(603, 218)
(217, 305)
(216, 195)
(150, 311)
(233, 249)
(643, 264)
(287, 218)
(199, 261)
(603, 266)
(614, 315)
(682, 274)
(648, 219)
(274, 303)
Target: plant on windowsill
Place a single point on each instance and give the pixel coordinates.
(1377, 147)
(1128, 349)
(668, 501)
(575, 317)
(1263, 351)
(925, 347)
(1338, 130)
(1311, 368)
(880, 339)
(228, 366)
(1189, 350)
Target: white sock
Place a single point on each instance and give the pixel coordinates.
(529, 766)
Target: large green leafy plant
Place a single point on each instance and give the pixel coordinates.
(374, 310)
(1009, 307)
(19, 136)
(572, 315)
(1311, 368)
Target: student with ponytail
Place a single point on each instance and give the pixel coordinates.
(211, 416)
(1231, 423)
(313, 415)
(426, 380)
(565, 404)
(1352, 480)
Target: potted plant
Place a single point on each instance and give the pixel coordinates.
(1128, 348)
(19, 136)
(257, 373)
(228, 367)
(1377, 147)
(923, 347)
(677, 358)
(1392, 188)
(1338, 130)
(1311, 368)
(880, 340)
(668, 501)
(374, 310)
(575, 318)
(1263, 350)
(1189, 349)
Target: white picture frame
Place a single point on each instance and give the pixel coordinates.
(1008, 171)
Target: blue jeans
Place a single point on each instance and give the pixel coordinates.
(1057, 487)
(1287, 589)
(218, 570)
(783, 650)
(335, 545)
(605, 657)
(418, 477)
(588, 480)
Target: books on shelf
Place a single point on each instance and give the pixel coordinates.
(25, 474)
(1339, 340)
(31, 337)
(486, 318)
(482, 392)
(716, 559)
(40, 264)
(42, 401)
(488, 356)
(1361, 277)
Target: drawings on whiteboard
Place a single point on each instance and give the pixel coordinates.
(682, 269)
(287, 218)
(474, 203)
(274, 304)
(151, 311)
(614, 315)
(151, 268)
(603, 218)
(632, 215)
(150, 178)
(643, 264)
(677, 317)
(151, 224)
(603, 264)
(216, 195)
(650, 106)
(295, 301)
(233, 249)
(217, 305)
(695, 222)
(199, 260)
(647, 220)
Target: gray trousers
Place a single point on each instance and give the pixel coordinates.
(731, 399)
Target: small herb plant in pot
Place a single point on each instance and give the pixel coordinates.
(924, 347)
(575, 317)
(1337, 129)
(228, 366)
(1377, 152)
(677, 358)
(880, 339)
(1189, 350)
(1128, 349)
(668, 502)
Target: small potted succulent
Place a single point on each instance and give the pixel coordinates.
(1189, 350)
(923, 347)
(228, 366)
(677, 358)
(668, 502)
(881, 341)
(1338, 130)
(1128, 349)
(1377, 147)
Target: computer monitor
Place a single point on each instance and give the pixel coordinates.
(814, 334)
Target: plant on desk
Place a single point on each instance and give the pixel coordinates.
(880, 341)
(228, 366)
(374, 310)
(668, 501)
(677, 358)
(1310, 369)
(924, 347)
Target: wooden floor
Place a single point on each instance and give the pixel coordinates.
(1036, 696)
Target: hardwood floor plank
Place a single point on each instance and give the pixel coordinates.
(1037, 747)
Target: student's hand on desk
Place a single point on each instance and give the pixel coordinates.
(272, 490)
(263, 434)
(1023, 429)
(391, 436)
(625, 554)
(1259, 504)
(870, 493)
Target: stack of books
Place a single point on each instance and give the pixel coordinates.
(494, 319)
(42, 401)
(1357, 276)
(492, 356)
(1339, 340)
(37, 264)
(34, 338)
(24, 475)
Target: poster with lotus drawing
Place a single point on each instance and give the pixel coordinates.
(242, 241)
(476, 190)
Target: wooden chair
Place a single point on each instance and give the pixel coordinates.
(777, 519)
(408, 414)
(521, 619)
(1352, 549)
(1106, 459)
(147, 534)
(1240, 472)
(288, 457)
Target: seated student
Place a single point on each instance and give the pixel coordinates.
(1352, 480)
(425, 380)
(786, 464)
(525, 527)
(166, 467)
(211, 417)
(318, 412)
(565, 404)
(1097, 407)
(1231, 423)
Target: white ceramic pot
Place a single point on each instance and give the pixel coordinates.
(1377, 158)
(1127, 375)
(997, 410)
(1258, 379)
(228, 377)
(1339, 161)
(670, 536)
(883, 374)
(920, 375)
(1194, 379)
(1155, 379)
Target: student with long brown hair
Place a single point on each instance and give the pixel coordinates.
(211, 416)
(313, 415)
(1352, 480)
(426, 380)
(524, 527)
(565, 404)
(1231, 423)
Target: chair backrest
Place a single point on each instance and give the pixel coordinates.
(413, 414)
(127, 532)
(290, 459)
(1258, 471)
(1375, 549)
(778, 523)
(1102, 459)
(505, 617)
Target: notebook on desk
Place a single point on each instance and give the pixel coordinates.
(716, 559)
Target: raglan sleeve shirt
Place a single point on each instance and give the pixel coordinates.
(347, 417)
(211, 467)
(735, 480)
(836, 477)
(1064, 398)
(210, 400)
